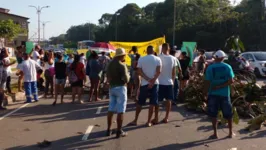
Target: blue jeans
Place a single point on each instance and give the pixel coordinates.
(176, 88)
(118, 99)
(31, 89)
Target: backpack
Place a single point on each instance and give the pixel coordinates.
(72, 77)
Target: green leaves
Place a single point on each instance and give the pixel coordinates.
(9, 30)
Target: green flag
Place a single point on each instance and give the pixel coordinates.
(191, 47)
(29, 47)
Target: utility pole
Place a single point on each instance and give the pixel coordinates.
(43, 26)
(174, 24)
(116, 27)
(39, 10)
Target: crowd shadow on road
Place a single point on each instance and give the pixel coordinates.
(188, 145)
(258, 134)
(74, 142)
(45, 113)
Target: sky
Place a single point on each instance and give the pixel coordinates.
(62, 14)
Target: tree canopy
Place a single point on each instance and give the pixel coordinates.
(208, 22)
(9, 30)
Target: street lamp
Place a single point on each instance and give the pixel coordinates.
(117, 14)
(39, 10)
(43, 25)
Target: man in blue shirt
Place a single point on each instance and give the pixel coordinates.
(219, 76)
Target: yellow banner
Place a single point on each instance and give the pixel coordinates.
(142, 47)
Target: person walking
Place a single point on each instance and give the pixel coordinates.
(117, 76)
(60, 78)
(218, 78)
(149, 68)
(78, 68)
(166, 82)
(29, 68)
(95, 76)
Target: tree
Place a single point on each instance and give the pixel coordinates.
(9, 30)
(105, 19)
(58, 40)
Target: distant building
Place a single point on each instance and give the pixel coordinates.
(22, 21)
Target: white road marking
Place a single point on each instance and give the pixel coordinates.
(87, 133)
(99, 110)
(12, 112)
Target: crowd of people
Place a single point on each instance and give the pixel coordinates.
(159, 78)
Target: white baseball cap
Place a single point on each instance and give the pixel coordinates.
(220, 54)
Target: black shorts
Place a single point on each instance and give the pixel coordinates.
(79, 83)
(185, 75)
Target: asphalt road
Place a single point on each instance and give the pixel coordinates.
(75, 127)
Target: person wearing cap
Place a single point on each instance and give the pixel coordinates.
(218, 78)
(29, 68)
(149, 68)
(117, 76)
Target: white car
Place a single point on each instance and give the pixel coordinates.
(257, 61)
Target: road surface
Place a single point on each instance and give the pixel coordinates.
(75, 127)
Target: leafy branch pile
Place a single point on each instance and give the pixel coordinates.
(247, 97)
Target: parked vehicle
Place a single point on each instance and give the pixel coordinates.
(257, 61)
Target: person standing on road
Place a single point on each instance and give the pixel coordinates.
(19, 73)
(104, 61)
(95, 76)
(218, 78)
(79, 70)
(60, 78)
(132, 55)
(7, 68)
(149, 68)
(117, 76)
(49, 73)
(178, 75)
(166, 81)
(29, 68)
(184, 62)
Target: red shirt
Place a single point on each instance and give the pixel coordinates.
(78, 71)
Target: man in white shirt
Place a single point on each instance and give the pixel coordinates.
(29, 68)
(36, 55)
(149, 68)
(166, 80)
